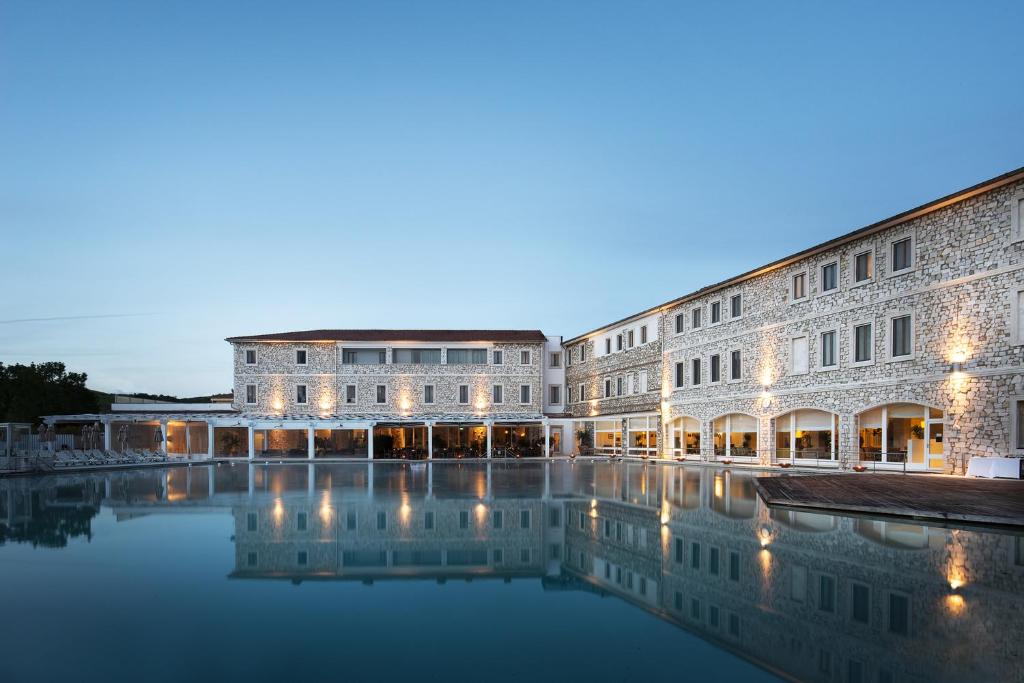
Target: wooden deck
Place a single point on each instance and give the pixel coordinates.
(940, 498)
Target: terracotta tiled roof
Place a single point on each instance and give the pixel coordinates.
(510, 336)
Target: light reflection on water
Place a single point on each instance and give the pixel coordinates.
(183, 571)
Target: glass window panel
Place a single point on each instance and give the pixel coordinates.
(829, 277)
(901, 343)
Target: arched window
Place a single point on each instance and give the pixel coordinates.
(685, 436)
(735, 436)
(902, 434)
(806, 435)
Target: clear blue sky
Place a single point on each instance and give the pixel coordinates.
(227, 168)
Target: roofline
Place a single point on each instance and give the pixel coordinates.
(266, 338)
(911, 214)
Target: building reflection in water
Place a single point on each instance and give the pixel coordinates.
(810, 596)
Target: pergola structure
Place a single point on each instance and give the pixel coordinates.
(183, 433)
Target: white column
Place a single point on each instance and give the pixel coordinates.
(209, 443)
(489, 426)
(369, 441)
(106, 436)
(252, 442)
(430, 441)
(547, 439)
(310, 443)
(163, 437)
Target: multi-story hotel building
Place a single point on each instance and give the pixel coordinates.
(897, 345)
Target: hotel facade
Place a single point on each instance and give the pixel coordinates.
(899, 345)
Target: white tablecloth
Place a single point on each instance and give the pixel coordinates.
(994, 467)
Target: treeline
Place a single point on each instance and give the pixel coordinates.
(27, 392)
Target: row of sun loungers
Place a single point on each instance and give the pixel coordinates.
(99, 458)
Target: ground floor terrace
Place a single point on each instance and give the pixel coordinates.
(309, 437)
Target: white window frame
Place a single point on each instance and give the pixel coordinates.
(433, 394)
(643, 335)
(619, 342)
(677, 381)
(620, 386)
(497, 399)
(821, 334)
(821, 277)
(355, 394)
(458, 395)
(643, 380)
(721, 366)
(525, 353)
(1016, 219)
(255, 394)
(497, 356)
(889, 336)
(793, 372)
(305, 388)
(854, 363)
(680, 323)
(255, 357)
(555, 359)
(608, 386)
(1016, 338)
(583, 393)
(793, 299)
(853, 266)
(376, 394)
(729, 378)
(911, 235)
(1015, 425)
(734, 296)
(699, 311)
(304, 350)
(553, 388)
(529, 396)
(721, 316)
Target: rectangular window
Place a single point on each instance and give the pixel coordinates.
(734, 565)
(899, 614)
(826, 593)
(252, 559)
(416, 356)
(695, 556)
(583, 392)
(428, 393)
(301, 521)
(735, 365)
(713, 616)
(250, 356)
(350, 520)
(556, 360)
(716, 367)
(828, 349)
(860, 602)
(524, 519)
(863, 266)
(382, 521)
(902, 255)
(798, 355)
(498, 356)
(524, 556)
(350, 393)
(607, 388)
(250, 394)
(695, 318)
(713, 561)
(382, 393)
(798, 583)
(629, 339)
(300, 356)
(694, 608)
(463, 519)
(643, 382)
(554, 518)
(829, 277)
(680, 375)
(463, 394)
(799, 290)
(364, 356)
(618, 342)
(608, 345)
(524, 393)
(498, 394)
(497, 519)
(555, 394)
(618, 386)
(862, 343)
(524, 357)
(716, 312)
(1020, 425)
(252, 521)
(679, 551)
(467, 357)
(583, 353)
(695, 371)
(428, 520)
(302, 557)
(902, 342)
(679, 323)
(736, 305)
(643, 334)
(300, 394)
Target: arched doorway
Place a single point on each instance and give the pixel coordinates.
(684, 435)
(807, 435)
(902, 434)
(735, 436)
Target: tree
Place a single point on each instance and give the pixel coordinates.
(28, 392)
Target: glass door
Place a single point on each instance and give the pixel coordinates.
(936, 444)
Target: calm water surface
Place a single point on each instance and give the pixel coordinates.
(455, 572)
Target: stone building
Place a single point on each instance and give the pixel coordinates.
(898, 345)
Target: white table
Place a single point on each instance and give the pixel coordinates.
(1008, 468)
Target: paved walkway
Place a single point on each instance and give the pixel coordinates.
(943, 498)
